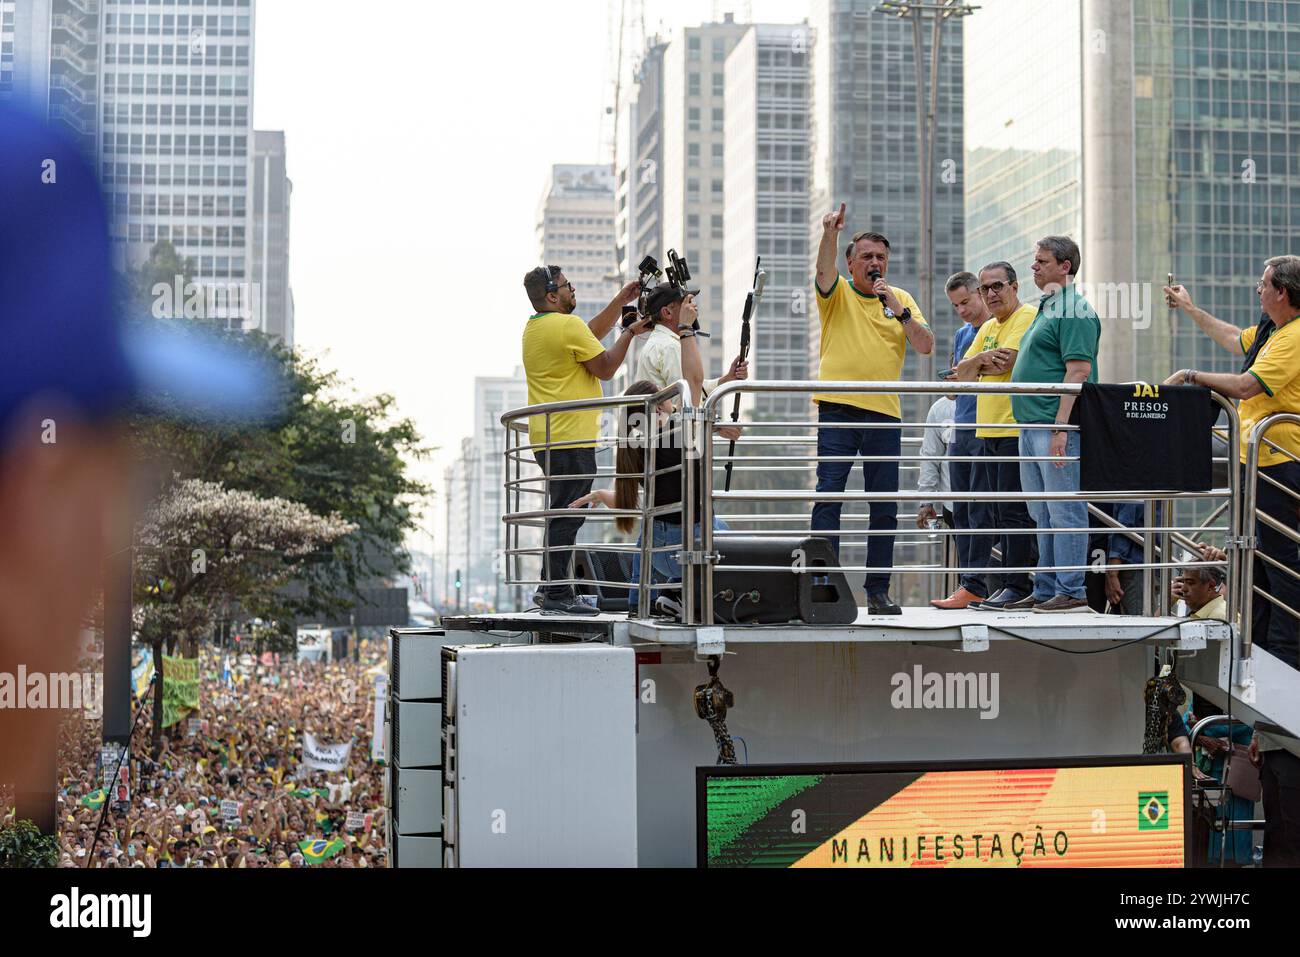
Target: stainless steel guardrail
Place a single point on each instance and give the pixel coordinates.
(518, 445)
(764, 455)
(1156, 537)
(1250, 547)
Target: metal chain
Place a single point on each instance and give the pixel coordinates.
(726, 748)
(716, 718)
(1163, 696)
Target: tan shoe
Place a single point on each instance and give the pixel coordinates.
(958, 600)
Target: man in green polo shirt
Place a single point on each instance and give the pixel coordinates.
(1059, 346)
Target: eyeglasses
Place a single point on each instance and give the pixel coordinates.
(994, 286)
(568, 286)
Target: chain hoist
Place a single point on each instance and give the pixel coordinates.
(712, 699)
(1164, 696)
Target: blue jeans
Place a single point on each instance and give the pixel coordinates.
(1054, 550)
(664, 566)
(973, 551)
(876, 477)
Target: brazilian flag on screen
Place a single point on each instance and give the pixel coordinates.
(320, 849)
(95, 799)
(1153, 811)
(309, 792)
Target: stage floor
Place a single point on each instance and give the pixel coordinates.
(915, 624)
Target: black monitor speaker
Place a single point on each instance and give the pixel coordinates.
(781, 595)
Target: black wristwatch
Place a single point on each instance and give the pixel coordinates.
(905, 315)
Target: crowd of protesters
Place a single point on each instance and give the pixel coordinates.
(243, 744)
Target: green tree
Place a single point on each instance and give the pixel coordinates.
(335, 453)
(23, 845)
(203, 546)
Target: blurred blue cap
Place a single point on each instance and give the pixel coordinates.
(59, 331)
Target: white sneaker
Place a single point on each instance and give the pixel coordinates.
(668, 607)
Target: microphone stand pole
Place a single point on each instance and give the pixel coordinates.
(752, 300)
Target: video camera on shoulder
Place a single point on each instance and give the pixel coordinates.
(678, 273)
(651, 277)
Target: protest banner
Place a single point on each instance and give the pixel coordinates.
(324, 757)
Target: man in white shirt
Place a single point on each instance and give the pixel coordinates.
(671, 351)
(935, 477)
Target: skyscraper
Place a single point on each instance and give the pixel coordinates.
(865, 147)
(494, 395)
(692, 174)
(6, 48)
(161, 95)
(177, 140)
(638, 219)
(50, 62)
(1162, 140)
(272, 190)
(460, 480)
(767, 180)
(575, 231)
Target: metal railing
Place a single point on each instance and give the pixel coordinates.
(518, 423)
(761, 454)
(1249, 546)
(1156, 538)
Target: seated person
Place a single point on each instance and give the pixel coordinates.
(666, 528)
(1202, 589)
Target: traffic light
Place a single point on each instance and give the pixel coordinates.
(458, 579)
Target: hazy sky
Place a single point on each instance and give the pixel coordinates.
(419, 138)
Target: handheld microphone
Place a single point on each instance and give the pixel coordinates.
(873, 275)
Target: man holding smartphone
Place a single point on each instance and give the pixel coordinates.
(1268, 383)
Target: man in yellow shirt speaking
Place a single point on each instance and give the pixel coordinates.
(866, 326)
(563, 361)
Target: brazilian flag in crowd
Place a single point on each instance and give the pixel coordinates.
(320, 849)
(95, 799)
(180, 688)
(309, 792)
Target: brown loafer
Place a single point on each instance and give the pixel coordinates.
(1062, 603)
(958, 600)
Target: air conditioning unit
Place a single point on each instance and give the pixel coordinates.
(538, 756)
(414, 730)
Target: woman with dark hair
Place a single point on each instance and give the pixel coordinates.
(634, 435)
